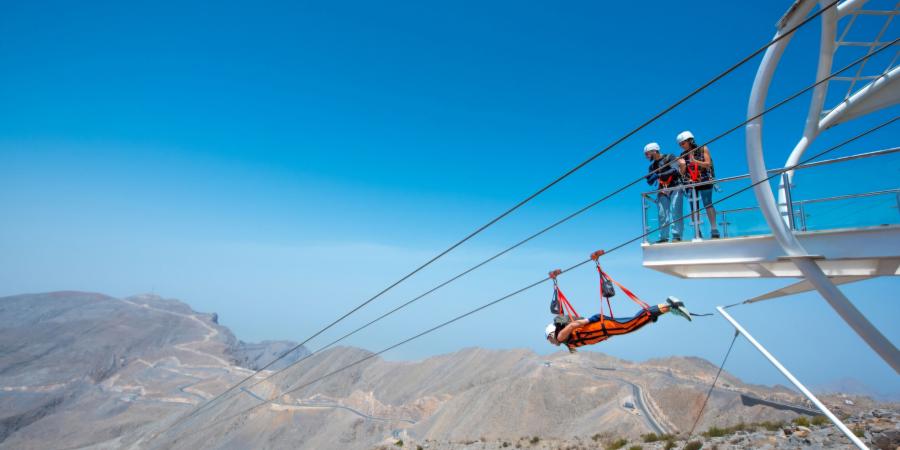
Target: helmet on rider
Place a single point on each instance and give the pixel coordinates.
(550, 330)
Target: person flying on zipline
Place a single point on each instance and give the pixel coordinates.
(599, 327)
(574, 331)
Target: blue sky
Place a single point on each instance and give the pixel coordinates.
(279, 163)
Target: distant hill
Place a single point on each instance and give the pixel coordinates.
(78, 368)
(856, 387)
(81, 370)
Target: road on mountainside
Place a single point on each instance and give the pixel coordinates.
(195, 396)
(752, 400)
(301, 404)
(638, 395)
(649, 418)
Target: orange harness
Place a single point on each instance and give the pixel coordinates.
(603, 329)
(695, 172)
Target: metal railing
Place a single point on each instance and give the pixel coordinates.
(795, 212)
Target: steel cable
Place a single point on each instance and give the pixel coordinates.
(536, 283)
(517, 206)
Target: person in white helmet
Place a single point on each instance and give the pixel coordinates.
(699, 169)
(665, 170)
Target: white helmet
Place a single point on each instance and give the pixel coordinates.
(550, 330)
(683, 136)
(653, 146)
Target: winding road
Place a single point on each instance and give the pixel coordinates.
(638, 394)
(194, 396)
(303, 405)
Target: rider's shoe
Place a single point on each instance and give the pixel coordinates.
(677, 307)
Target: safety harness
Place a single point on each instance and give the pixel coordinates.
(695, 172)
(665, 182)
(598, 331)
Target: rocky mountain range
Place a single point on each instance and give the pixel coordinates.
(83, 370)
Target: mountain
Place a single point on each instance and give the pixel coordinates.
(81, 370)
(71, 358)
(255, 356)
(855, 387)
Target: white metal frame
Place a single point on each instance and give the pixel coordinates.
(879, 93)
(787, 374)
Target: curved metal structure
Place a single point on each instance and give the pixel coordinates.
(880, 92)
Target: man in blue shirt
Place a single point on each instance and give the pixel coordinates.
(666, 170)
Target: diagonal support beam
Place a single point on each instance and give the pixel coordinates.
(802, 286)
(787, 374)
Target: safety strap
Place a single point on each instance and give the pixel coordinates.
(603, 297)
(596, 257)
(628, 293)
(694, 172)
(566, 306)
(665, 184)
(563, 301)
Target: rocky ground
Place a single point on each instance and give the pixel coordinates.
(877, 428)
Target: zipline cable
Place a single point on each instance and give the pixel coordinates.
(522, 242)
(536, 283)
(576, 213)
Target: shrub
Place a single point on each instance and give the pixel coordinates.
(715, 431)
(771, 426)
(859, 431)
(819, 421)
(535, 440)
(635, 447)
(650, 437)
(618, 443)
(670, 444)
(693, 445)
(802, 421)
(399, 443)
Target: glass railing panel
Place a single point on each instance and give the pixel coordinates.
(742, 222)
(651, 219)
(851, 212)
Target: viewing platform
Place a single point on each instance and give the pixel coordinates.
(851, 236)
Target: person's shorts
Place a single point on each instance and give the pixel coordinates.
(705, 194)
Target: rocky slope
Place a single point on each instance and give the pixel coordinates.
(88, 371)
(71, 358)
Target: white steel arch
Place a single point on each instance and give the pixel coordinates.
(881, 92)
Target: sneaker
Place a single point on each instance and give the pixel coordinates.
(677, 307)
(715, 234)
(676, 238)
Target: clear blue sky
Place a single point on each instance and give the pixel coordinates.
(278, 163)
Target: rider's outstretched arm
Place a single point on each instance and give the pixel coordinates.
(563, 334)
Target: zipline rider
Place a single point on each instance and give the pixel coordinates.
(570, 329)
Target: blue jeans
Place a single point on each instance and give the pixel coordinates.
(670, 211)
(654, 313)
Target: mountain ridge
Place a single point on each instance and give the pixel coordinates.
(130, 367)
